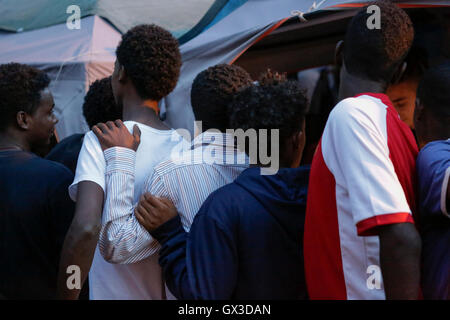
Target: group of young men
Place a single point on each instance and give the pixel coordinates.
(159, 217)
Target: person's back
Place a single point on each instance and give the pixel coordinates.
(266, 213)
(35, 208)
(246, 239)
(432, 121)
(146, 70)
(131, 281)
(360, 239)
(99, 106)
(188, 177)
(34, 217)
(351, 212)
(433, 169)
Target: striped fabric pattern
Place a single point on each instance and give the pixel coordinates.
(186, 179)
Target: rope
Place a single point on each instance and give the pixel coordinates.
(300, 14)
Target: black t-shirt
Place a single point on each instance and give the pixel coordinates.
(67, 151)
(35, 214)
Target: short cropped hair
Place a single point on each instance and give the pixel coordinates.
(274, 103)
(20, 90)
(99, 104)
(433, 90)
(212, 92)
(152, 59)
(375, 54)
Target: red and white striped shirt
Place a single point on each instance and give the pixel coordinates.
(362, 176)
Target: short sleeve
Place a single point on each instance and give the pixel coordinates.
(355, 149)
(91, 164)
(433, 170)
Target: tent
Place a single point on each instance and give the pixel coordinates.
(177, 16)
(36, 33)
(298, 45)
(225, 42)
(288, 35)
(73, 60)
(252, 33)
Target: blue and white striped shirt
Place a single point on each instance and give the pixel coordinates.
(187, 179)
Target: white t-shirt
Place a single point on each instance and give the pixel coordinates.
(142, 280)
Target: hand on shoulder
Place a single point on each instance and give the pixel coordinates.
(115, 134)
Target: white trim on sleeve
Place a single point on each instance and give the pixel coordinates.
(444, 193)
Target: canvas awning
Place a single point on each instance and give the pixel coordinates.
(177, 16)
(262, 34)
(72, 58)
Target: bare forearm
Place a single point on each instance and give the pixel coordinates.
(78, 251)
(400, 249)
(81, 240)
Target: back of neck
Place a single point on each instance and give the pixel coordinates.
(142, 111)
(351, 86)
(13, 141)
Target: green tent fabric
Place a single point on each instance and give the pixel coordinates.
(24, 15)
(177, 16)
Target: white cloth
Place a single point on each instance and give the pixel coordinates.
(142, 280)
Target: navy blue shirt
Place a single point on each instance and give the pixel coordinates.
(433, 169)
(67, 151)
(246, 241)
(35, 214)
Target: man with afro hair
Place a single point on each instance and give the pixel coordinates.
(35, 208)
(146, 70)
(213, 90)
(360, 238)
(187, 178)
(98, 106)
(246, 239)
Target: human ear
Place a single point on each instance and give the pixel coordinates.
(339, 53)
(418, 111)
(23, 120)
(298, 141)
(122, 74)
(399, 72)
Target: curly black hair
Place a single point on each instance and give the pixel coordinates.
(99, 104)
(275, 103)
(376, 53)
(20, 90)
(213, 90)
(152, 59)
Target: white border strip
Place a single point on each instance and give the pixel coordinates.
(444, 192)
